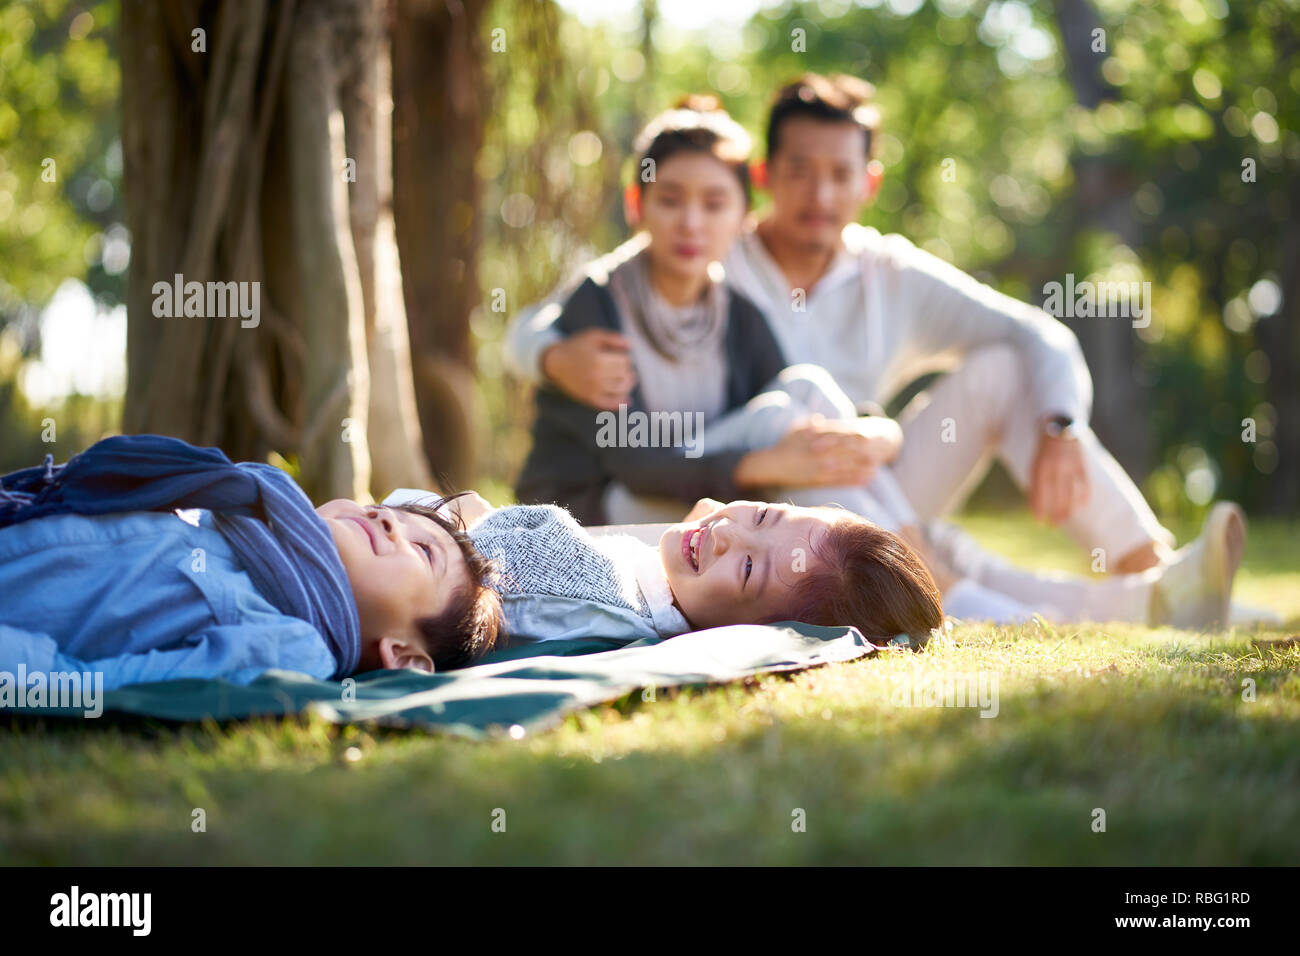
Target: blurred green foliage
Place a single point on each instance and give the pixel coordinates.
(60, 202)
(60, 161)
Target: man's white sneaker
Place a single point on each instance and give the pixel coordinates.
(1194, 589)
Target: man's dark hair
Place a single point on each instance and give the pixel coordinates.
(472, 623)
(832, 99)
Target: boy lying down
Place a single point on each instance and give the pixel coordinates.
(147, 559)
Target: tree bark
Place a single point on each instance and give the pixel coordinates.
(234, 171)
(437, 131)
(1102, 201)
(396, 448)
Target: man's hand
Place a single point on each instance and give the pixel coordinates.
(1058, 481)
(592, 367)
(811, 454)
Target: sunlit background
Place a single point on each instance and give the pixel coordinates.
(1129, 170)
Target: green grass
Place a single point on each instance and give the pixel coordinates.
(1149, 726)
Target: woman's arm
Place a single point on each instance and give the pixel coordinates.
(659, 471)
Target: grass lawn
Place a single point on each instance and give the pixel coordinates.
(1149, 726)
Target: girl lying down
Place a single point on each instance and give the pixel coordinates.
(747, 562)
(147, 559)
(755, 562)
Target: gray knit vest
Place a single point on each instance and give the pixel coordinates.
(540, 549)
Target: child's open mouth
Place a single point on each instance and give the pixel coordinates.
(691, 547)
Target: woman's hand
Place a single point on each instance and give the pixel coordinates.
(884, 435)
(815, 452)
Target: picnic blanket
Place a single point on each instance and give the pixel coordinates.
(516, 691)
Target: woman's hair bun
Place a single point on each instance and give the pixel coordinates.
(699, 102)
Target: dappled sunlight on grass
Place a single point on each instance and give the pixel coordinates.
(1155, 727)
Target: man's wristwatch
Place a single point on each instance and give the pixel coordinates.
(1061, 426)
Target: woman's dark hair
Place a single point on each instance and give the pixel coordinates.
(869, 578)
(472, 623)
(697, 123)
(831, 99)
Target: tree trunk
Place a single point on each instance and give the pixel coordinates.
(437, 130)
(235, 171)
(396, 448)
(1102, 201)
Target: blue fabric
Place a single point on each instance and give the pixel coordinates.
(285, 546)
(142, 597)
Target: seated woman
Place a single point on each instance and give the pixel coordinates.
(699, 348)
(147, 559)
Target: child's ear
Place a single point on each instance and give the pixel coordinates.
(398, 653)
(632, 204)
(875, 176)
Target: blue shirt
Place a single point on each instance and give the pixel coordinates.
(142, 596)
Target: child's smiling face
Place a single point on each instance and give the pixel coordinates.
(741, 563)
(402, 567)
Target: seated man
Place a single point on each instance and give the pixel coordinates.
(877, 313)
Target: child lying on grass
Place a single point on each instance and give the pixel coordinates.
(147, 559)
(843, 578)
(746, 562)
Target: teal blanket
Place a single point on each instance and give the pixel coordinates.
(515, 691)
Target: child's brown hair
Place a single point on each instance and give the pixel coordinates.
(472, 623)
(869, 578)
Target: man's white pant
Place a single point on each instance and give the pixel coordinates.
(1116, 515)
(983, 408)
